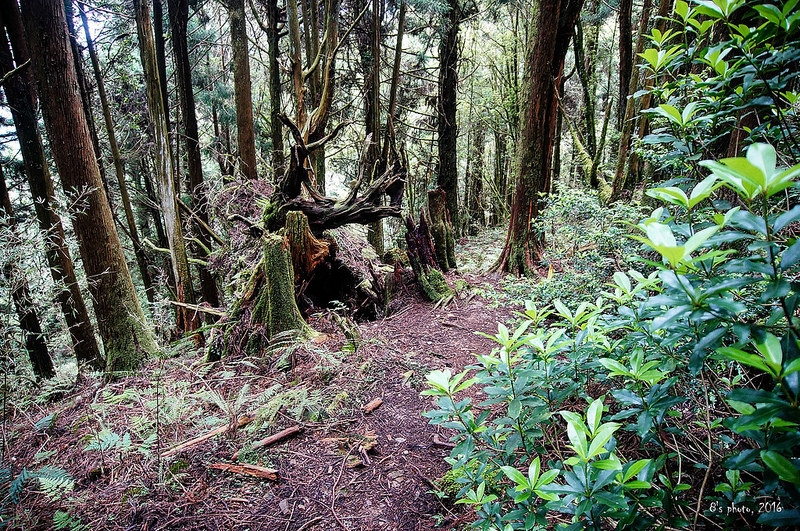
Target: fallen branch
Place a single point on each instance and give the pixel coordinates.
(372, 405)
(442, 444)
(200, 308)
(244, 420)
(249, 470)
(272, 439)
(200, 222)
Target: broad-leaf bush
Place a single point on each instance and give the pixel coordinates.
(691, 374)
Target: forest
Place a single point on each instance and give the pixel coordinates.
(399, 264)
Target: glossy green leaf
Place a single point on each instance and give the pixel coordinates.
(784, 468)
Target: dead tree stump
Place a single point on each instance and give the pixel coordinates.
(422, 255)
(266, 308)
(442, 230)
(307, 251)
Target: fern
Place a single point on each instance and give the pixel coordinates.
(63, 521)
(55, 482)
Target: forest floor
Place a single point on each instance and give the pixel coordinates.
(345, 469)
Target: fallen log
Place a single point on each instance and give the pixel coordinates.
(249, 470)
(372, 405)
(272, 439)
(244, 420)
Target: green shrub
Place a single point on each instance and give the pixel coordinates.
(655, 344)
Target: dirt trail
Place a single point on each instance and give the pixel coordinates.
(316, 488)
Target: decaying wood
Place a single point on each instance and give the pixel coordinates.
(272, 439)
(372, 405)
(249, 470)
(244, 420)
(437, 441)
(424, 262)
(327, 212)
(307, 251)
(202, 308)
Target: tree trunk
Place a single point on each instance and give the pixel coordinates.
(186, 319)
(618, 183)
(267, 307)
(179, 20)
(161, 59)
(20, 97)
(474, 179)
(35, 344)
(552, 23)
(422, 255)
(86, 97)
(632, 175)
(133, 232)
(273, 36)
(121, 323)
(500, 204)
(625, 57)
(245, 132)
(447, 170)
(442, 230)
(369, 46)
(389, 139)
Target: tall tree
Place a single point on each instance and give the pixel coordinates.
(35, 344)
(625, 56)
(121, 323)
(275, 91)
(21, 96)
(447, 169)
(179, 21)
(552, 24)
(370, 51)
(245, 129)
(184, 294)
(119, 170)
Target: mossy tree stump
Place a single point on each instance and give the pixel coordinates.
(267, 306)
(441, 230)
(422, 255)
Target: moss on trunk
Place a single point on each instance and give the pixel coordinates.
(442, 230)
(282, 311)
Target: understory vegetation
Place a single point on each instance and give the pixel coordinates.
(670, 398)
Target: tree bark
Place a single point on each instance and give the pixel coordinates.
(441, 229)
(389, 138)
(422, 255)
(275, 91)
(474, 179)
(186, 319)
(179, 21)
(369, 45)
(552, 24)
(245, 131)
(20, 98)
(35, 345)
(133, 232)
(121, 323)
(447, 170)
(625, 57)
(618, 183)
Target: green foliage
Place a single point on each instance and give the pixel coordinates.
(63, 521)
(725, 65)
(724, 293)
(53, 482)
